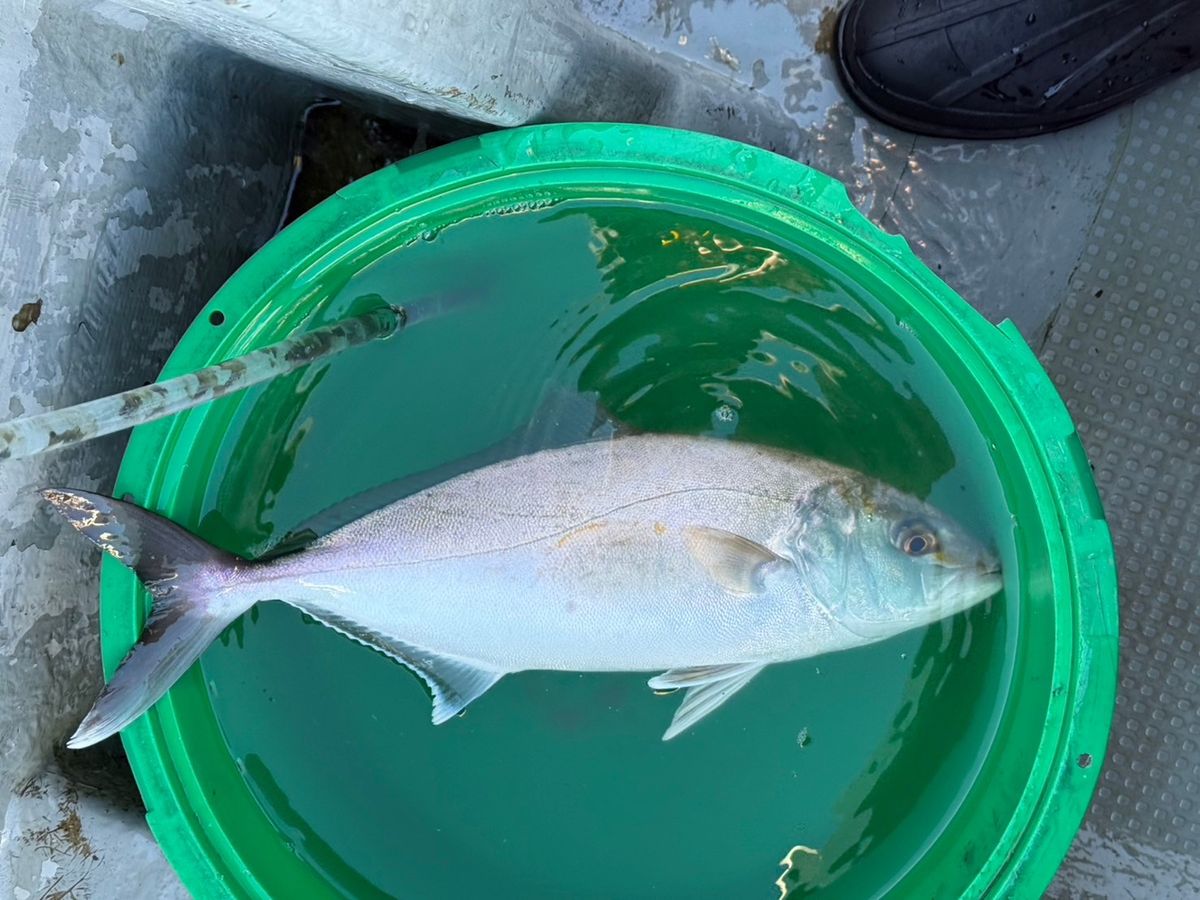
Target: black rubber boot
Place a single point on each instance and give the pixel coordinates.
(1009, 68)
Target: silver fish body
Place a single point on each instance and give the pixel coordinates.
(575, 559)
(703, 559)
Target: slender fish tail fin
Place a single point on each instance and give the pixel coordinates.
(185, 576)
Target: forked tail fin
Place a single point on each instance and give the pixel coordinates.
(188, 579)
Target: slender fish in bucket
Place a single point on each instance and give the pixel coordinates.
(702, 560)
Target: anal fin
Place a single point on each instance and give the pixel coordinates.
(453, 682)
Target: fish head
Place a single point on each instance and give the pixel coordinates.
(881, 561)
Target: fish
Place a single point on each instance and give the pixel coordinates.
(700, 559)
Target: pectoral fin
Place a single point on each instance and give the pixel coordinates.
(707, 688)
(453, 682)
(734, 562)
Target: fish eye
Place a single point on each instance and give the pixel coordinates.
(916, 537)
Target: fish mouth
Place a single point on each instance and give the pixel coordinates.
(985, 565)
(986, 561)
(988, 580)
(972, 584)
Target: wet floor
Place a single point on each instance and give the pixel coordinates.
(1003, 223)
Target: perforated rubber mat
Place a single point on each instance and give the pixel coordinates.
(1124, 350)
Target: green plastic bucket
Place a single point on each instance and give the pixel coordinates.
(293, 763)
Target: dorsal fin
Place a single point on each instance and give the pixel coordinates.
(562, 418)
